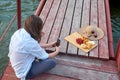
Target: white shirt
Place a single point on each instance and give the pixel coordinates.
(22, 51)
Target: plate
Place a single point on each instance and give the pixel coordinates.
(72, 39)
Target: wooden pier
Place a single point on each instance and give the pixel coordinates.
(63, 17)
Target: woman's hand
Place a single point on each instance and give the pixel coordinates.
(57, 49)
(49, 45)
(56, 52)
(53, 44)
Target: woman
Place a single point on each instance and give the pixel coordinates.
(24, 48)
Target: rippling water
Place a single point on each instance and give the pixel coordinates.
(8, 9)
(115, 19)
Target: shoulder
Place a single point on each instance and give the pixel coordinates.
(32, 44)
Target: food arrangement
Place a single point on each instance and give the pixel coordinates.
(81, 42)
(85, 42)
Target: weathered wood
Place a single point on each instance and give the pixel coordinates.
(103, 43)
(118, 55)
(109, 29)
(75, 25)
(75, 68)
(88, 63)
(47, 76)
(66, 25)
(85, 20)
(45, 11)
(82, 74)
(9, 73)
(94, 22)
(50, 21)
(55, 32)
(58, 22)
(39, 8)
(63, 17)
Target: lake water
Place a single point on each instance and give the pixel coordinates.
(8, 9)
(115, 19)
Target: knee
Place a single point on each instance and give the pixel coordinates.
(53, 62)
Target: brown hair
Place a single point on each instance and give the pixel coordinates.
(33, 25)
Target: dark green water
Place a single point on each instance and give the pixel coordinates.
(8, 9)
(115, 19)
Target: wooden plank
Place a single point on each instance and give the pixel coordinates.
(9, 73)
(45, 10)
(75, 25)
(94, 22)
(118, 55)
(88, 63)
(109, 28)
(47, 76)
(81, 73)
(66, 25)
(85, 20)
(103, 43)
(50, 21)
(39, 8)
(58, 22)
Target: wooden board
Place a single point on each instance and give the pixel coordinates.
(64, 17)
(85, 20)
(103, 43)
(88, 63)
(82, 73)
(66, 25)
(94, 22)
(72, 39)
(58, 22)
(45, 10)
(118, 55)
(50, 21)
(55, 32)
(75, 25)
(109, 30)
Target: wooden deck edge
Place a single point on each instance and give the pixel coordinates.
(39, 8)
(85, 63)
(81, 73)
(81, 63)
(3, 74)
(118, 55)
(48, 76)
(10, 75)
(109, 29)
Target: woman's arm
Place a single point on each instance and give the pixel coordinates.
(50, 45)
(53, 54)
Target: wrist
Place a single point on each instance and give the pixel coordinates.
(57, 51)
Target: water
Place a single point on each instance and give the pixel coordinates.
(115, 19)
(8, 9)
